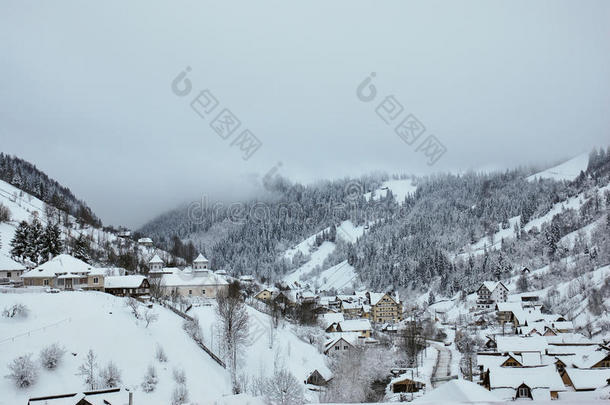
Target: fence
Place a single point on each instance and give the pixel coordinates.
(199, 342)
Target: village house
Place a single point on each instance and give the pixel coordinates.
(405, 384)
(63, 272)
(111, 396)
(537, 383)
(586, 379)
(10, 270)
(127, 286)
(490, 293)
(319, 377)
(384, 308)
(339, 344)
(264, 295)
(146, 242)
(360, 326)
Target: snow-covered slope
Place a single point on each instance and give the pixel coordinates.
(339, 276)
(24, 206)
(80, 321)
(266, 346)
(400, 189)
(567, 170)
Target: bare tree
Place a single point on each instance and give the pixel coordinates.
(283, 388)
(233, 317)
(88, 370)
(150, 317)
(133, 304)
(160, 354)
(110, 376)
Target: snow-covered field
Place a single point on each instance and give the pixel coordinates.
(567, 170)
(80, 321)
(266, 346)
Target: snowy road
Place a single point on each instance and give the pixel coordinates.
(442, 370)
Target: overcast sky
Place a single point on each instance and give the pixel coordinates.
(85, 90)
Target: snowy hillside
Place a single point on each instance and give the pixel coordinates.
(23, 207)
(80, 321)
(266, 346)
(567, 170)
(340, 276)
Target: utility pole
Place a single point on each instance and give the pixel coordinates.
(470, 367)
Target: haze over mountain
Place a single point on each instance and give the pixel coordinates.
(84, 101)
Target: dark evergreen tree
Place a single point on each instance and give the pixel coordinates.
(81, 249)
(19, 242)
(52, 244)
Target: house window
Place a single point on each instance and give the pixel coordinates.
(45, 282)
(523, 392)
(8, 274)
(203, 292)
(190, 292)
(95, 280)
(337, 347)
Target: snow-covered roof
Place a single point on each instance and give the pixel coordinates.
(155, 259)
(591, 358)
(376, 297)
(133, 281)
(350, 305)
(145, 240)
(355, 325)
(63, 263)
(458, 391)
(519, 344)
(583, 379)
(245, 277)
(492, 285)
(487, 361)
(324, 372)
(528, 359)
(200, 259)
(533, 377)
(568, 338)
(180, 278)
(6, 263)
(330, 318)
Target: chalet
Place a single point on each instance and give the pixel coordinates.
(489, 293)
(404, 384)
(351, 309)
(586, 379)
(123, 286)
(147, 242)
(320, 377)
(338, 345)
(63, 272)
(330, 321)
(306, 297)
(10, 270)
(284, 298)
(384, 308)
(360, 326)
(112, 396)
(538, 383)
(264, 295)
(521, 344)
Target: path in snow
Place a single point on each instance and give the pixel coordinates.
(442, 370)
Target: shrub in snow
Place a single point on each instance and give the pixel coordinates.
(133, 304)
(193, 329)
(51, 355)
(150, 317)
(23, 371)
(5, 213)
(283, 388)
(150, 379)
(88, 369)
(179, 376)
(180, 395)
(110, 376)
(16, 311)
(161, 356)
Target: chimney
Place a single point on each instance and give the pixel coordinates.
(130, 398)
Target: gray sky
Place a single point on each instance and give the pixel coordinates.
(85, 90)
